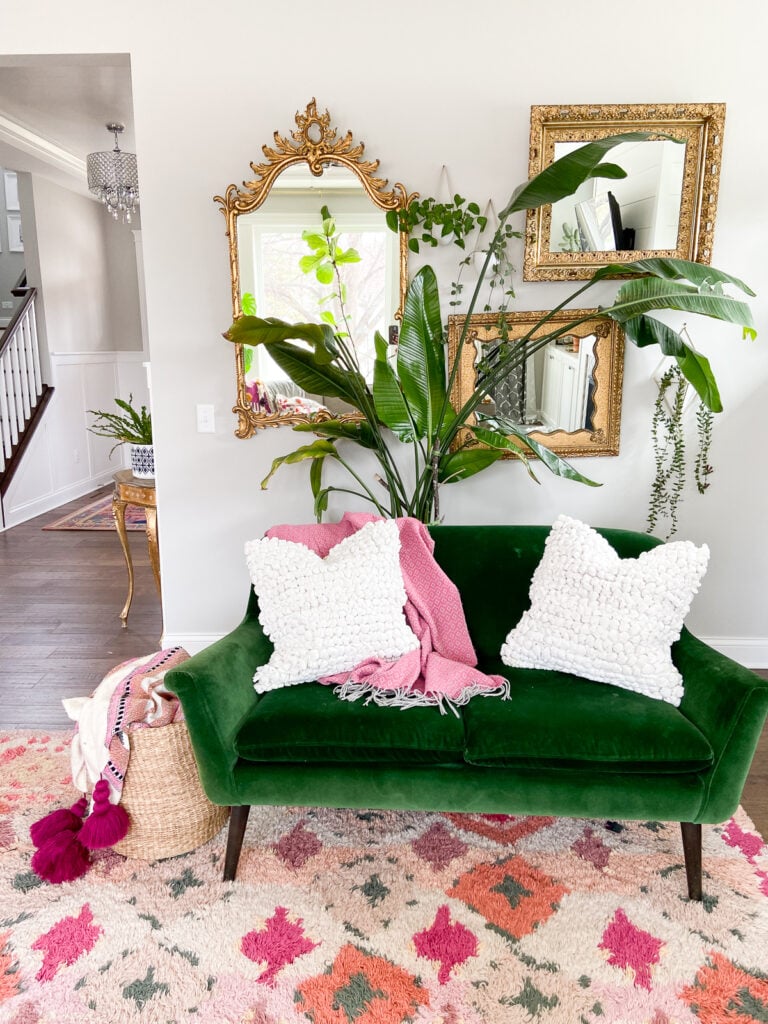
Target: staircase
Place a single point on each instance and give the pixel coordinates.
(23, 395)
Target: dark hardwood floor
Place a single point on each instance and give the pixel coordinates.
(61, 594)
(60, 600)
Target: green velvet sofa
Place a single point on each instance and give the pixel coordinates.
(560, 746)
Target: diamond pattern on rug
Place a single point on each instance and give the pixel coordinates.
(511, 894)
(381, 917)
(360, 988)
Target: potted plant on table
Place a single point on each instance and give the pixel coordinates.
(128, 427)
(409, 398)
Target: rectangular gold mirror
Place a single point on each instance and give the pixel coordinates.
(664, 207)
(566, 395)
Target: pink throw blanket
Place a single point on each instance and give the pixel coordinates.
(139, 701)
(442, 671)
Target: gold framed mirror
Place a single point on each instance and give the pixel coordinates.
(665, 207)
(314, 167)
(567, 395)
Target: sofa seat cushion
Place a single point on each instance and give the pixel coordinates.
(555, 720)
(308, 723)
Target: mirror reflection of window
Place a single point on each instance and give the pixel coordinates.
(270, 248)
(553, 389)
(639, 212)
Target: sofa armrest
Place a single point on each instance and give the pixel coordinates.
(215, 688)
(728, 703)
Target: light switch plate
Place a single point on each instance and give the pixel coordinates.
(206, 420)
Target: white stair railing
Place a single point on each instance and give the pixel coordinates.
(21, 383)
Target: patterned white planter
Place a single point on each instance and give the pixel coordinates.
(143, 461)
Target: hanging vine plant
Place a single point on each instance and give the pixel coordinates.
(669, 449)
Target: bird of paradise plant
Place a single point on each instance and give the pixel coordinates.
(409, 397)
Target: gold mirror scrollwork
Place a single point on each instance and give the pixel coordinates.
(316, 143)
(572, 390)
(693, 195)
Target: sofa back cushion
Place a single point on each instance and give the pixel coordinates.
(493, 565)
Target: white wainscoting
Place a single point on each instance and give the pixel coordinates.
(64, 459)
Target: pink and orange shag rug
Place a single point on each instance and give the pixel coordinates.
(372, 917)
(97, 515)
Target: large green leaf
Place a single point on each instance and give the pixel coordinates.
(319, 449)
(493, 439)
(319, 494)
(360, 432)
(421, 353)
(673, 270)
(391, 406)
(647, 330)
(313, 376)
(466, 462)
(644, 294)
(562, 177)
(552, 461)
(255, 330)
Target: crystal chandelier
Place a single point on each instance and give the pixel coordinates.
(112, 176)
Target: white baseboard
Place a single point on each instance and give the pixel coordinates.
(48, 502)
(192, 643)
(750, 651)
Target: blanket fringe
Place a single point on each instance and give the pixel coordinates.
(405, 699)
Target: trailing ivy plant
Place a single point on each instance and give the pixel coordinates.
(669, 449)
(668, 437)
(409, 399)
(428, 221)
(702, 469)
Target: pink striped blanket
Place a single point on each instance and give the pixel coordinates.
(443, 670)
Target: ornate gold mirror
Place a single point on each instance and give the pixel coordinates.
(265, 220)
(567, 395)
(665, 207)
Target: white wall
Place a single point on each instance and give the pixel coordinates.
(84, 266)
(422, 84)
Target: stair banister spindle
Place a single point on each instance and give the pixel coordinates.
(27, 383)
(5, 416)
(35, 350)
(23, 394)
(23, 377)
(15, 396)
(29, 357)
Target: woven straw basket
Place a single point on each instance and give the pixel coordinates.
(170, 814)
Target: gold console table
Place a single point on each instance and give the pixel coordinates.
(132, 490)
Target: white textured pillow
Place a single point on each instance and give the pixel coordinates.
(326, 615)
(607, 618)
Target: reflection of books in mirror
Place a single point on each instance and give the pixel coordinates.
(593, 217)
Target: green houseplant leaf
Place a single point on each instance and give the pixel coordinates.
(562, 177)
(553, 462)
(673, 270)
(421, 352)
(391, 406)
(320, 449)
(645, 294)
(647, 330)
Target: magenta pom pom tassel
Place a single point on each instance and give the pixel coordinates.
(107, 823)
(63, 858)
(62, 820)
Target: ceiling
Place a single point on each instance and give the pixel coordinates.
(53, 109)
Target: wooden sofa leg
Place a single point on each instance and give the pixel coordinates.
(692, 851)
(238, 819)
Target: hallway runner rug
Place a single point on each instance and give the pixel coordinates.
(378, 917)
(97, 515)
